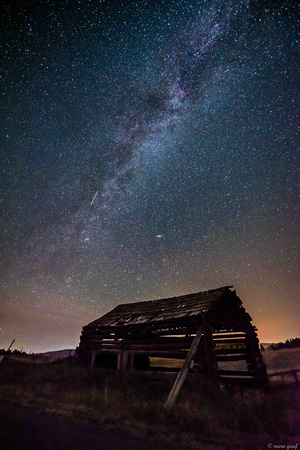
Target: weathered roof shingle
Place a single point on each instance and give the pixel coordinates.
(161, 310)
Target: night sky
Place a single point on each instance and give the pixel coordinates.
(148, 150)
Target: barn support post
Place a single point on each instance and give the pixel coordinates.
(294, 372)
(183, 371)
(131, 361)
(254, 359)
(211, 358)
(93, 358)
(124, 360)
(119, 361)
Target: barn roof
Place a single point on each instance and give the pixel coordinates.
(163, 310)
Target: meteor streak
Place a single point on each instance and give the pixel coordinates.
(94, 198)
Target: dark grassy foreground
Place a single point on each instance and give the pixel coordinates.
(204, 416)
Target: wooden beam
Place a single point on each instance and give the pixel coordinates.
(254, 358)
(227, 335)
(168, 342)
(131, 361)
(211, 359)
(119, 361)
(124, 360)
(236, 325)
(93, 358)
(10, 345)
(294, 372)
(230, 341)
(183, 371)
(238, 357)
(230, 351)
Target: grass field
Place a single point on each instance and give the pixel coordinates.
(281, 360)
(204, 414)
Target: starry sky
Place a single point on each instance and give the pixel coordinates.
(148, 150)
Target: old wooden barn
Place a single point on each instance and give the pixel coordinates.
(210, 330)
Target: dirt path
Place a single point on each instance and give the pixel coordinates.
(27, 429)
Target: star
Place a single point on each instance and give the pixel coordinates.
(149, 151)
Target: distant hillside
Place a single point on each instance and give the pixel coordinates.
(57, 354)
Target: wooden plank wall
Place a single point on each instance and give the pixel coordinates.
(218, 347)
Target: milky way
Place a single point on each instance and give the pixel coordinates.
(149, 150)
